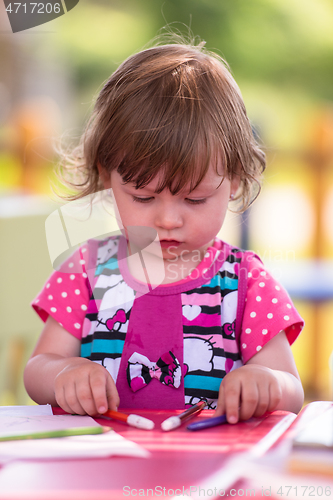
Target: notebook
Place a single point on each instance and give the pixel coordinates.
(312, 449)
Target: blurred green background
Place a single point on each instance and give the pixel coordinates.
(280, 53)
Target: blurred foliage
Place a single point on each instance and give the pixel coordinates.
(283, 42)
(280, 52)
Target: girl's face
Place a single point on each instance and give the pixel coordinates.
(186, 223)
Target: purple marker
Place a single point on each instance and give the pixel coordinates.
(208, 422)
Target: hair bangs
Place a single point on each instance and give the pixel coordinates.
(176, 137)
(179, 156)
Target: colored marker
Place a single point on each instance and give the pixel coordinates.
(209, 422)
(173, 422)
(134, 420)
(75, 431)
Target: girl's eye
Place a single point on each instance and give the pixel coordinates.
(142, 200)
(196, 202)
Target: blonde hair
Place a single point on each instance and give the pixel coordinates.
(172, 108)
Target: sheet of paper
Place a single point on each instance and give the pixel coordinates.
(22, 420)
(99, 445)
(25, 411)
(28, 424)
(318, 433)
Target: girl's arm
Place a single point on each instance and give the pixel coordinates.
(56, 374)
(269, 381)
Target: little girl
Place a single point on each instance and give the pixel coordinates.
(169, 138)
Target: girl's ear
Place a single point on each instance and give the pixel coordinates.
(104, 176)
(234, 185)
(235, 181)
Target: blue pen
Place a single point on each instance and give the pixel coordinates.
(208, 422)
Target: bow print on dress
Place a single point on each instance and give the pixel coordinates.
(140, 371)
(119, 317)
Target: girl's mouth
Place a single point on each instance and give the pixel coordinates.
(169, 243)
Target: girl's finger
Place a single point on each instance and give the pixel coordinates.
(220, 408)
(275, 395)
(249, 400)
(71, 403)
(85, 396)
(98, 383)
(263, 400)
(232, 397)
(112, 394)
(61, 401)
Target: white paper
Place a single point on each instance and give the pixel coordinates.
(22, 420)
(29, 424)
(318, 433)
(21, 411)
(88, 446)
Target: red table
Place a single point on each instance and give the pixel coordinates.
(179, 460)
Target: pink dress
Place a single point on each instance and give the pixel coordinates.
(168, 347)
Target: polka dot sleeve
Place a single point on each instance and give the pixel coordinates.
(268, 310)
(65, 295)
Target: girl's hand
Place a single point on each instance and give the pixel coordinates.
(84, 387)
(57, 375)
(269, 381)
(248, 391)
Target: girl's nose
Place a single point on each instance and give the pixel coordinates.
(168, 217)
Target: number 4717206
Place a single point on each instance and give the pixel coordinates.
(33, 7)
(304, 491)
